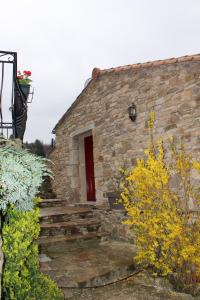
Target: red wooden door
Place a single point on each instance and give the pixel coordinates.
(89, 168)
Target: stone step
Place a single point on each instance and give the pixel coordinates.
(64, 213)
(52, 203)
(70, 228)
(103, 278)
(45, 242)
(92, 205)
(88, 264)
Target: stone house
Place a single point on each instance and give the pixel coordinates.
(96, 136)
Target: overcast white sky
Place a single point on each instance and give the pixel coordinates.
(62, 41)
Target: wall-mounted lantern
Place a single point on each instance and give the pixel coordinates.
(132, 112)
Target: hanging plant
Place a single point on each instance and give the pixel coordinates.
(24, 82)
(24, 77)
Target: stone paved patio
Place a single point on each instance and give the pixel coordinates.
(88, 263)
(79, 266)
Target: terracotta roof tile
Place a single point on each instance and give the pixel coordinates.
(196, 57)
(95, 73)
(155, 63)
(147, 64)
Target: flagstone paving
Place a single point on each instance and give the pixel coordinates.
(89, 263)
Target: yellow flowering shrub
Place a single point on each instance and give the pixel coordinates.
(167, 231)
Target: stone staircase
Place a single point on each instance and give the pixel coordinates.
(75, 252)
(62, 223)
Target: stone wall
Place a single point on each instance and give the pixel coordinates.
(112, 222)
(172, 91)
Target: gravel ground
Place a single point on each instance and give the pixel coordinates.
(140, 287)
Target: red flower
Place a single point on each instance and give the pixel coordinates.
(27, 73)
(24, 77)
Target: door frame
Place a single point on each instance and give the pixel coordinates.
(82, 173)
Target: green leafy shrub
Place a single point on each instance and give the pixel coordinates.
(21, 175)
(22, 279)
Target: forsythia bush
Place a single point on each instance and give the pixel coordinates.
(22, 279)
(167, 231)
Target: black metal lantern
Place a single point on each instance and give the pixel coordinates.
(132, 112)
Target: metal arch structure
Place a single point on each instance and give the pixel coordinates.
(18, 102)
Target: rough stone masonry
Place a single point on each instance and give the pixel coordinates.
(171, 88)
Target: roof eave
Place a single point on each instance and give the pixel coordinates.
(96, 73)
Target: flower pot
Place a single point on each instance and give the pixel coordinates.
(112, 200)
(25, 88)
